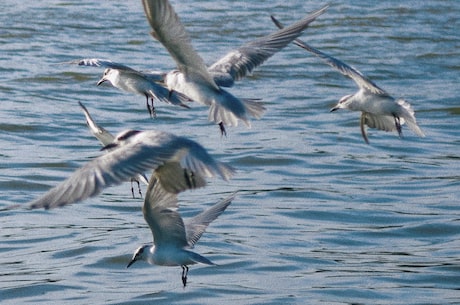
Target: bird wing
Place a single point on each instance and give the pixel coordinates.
(176, 179)
(242, 61)
(361, 80)
(167, 29)
(160, 213)
(100, 133)
(105, 137)
(195, 226)
(96, 62)
(156, 149)
(381, 122)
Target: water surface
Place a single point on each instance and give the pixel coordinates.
(320, 216)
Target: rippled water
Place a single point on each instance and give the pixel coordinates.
(320, 216)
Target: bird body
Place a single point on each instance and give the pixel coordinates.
(173, 237)
(130, 80)
(195, 80)
(378, 109)
(177, 162)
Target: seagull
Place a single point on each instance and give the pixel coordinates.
(198, 82)
(106, 138)
(378, 109)
(177, 163)
(130, 80)
(172, 236)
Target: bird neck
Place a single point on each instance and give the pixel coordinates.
(149, 255)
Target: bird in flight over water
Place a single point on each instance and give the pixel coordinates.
(378, 109)
(173, 237)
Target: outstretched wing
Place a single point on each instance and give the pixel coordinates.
(160, 213)
(167, 29)
(107, 170)
(242, 61)
(151, 150)
(362, 81)
(195, 226)
(96, 62)
(100, 133)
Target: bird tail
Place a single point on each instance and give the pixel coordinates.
(199, 258)
(409, 117)
(229, 109)
(255, 107)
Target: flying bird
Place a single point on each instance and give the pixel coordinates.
(130, 80)
(107, 138)
(378, 108)
(173, 237)
(177, 163)
(204, 85)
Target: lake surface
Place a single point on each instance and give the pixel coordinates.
(320, 217)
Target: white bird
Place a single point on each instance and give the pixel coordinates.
(197, 82)
(378, 109)
(177, 162)
(137, 82)
(172, 236)
(106, 138)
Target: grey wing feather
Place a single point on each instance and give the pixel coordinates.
(201, 163)
(196, 225)
(107, 170)
(160, 213)
(381, 122)
(96, 62)
(100, 133)
(155, 76)
(126, 161)
(241, 62)
(167, 29)
(361, 80)
(176, 179)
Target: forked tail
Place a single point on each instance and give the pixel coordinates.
(409, 117)
(198, 258)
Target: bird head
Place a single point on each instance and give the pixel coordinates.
(122, 138)
(141, 253)
(343, 103)
(108, 75)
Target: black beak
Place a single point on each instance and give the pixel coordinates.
(100, 81)
(130, 263)
(109, 146)
(334, 109)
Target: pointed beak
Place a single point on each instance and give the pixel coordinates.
(131, 262)
(102, 80)
(109, 146)
(334, 109)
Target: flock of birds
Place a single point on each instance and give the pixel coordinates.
(179, 164)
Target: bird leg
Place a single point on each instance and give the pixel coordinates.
(150, 107)
(363, 127)
(189, 178)
(138, 187)
(398, 124)
(223, 132)
(184, 274)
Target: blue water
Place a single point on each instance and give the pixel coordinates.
(320, 217)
